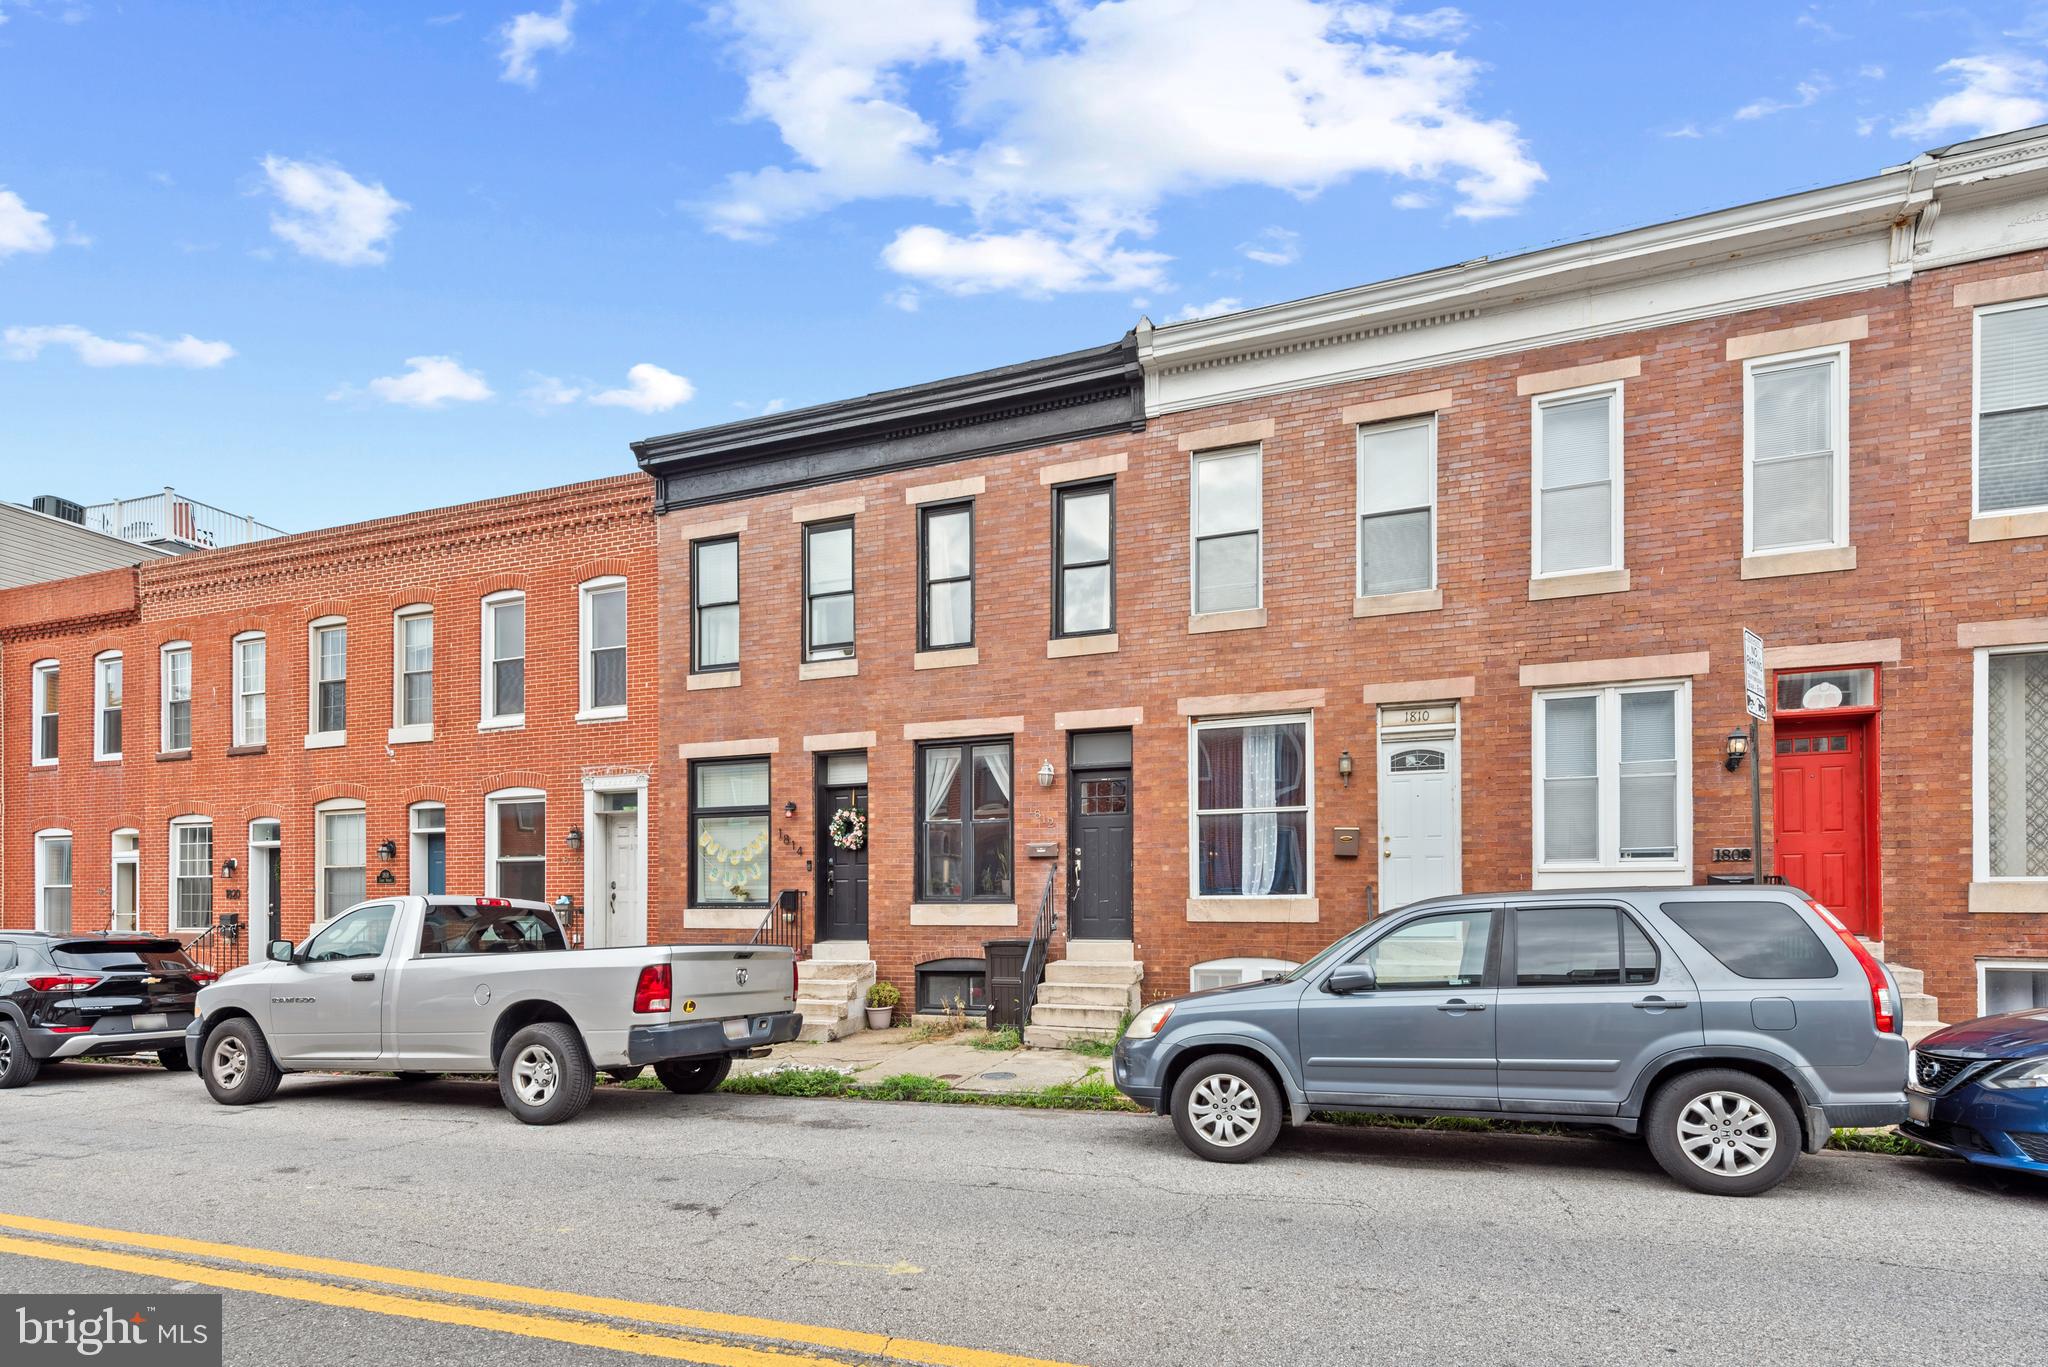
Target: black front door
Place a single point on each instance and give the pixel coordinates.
(1099, 837)
(842, 873)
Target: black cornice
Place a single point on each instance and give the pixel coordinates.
(1034, 403)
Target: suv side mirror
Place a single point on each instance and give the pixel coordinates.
(281, 951)
(1349, 978)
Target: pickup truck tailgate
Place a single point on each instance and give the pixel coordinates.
(713, 982)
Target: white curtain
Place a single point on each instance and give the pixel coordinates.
(998, 769)
(1261, 828)
(941, 767)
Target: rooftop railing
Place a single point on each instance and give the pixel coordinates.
(170, 518)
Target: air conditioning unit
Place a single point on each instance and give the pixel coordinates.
(60, 507)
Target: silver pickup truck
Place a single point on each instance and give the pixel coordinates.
(426, 985)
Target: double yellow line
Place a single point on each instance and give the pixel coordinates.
(112, 1249)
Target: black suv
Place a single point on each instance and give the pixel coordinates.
(78, 996)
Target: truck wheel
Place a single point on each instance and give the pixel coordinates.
(18, 1067)
(544, 1077)
(689, 1076)
(174, 1060)
(1227, 1109)
(1722, 1131)
(237, 1064)
(624, 1074)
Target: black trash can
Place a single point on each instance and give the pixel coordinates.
(1005, 982)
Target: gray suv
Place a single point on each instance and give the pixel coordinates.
(1731, 1027)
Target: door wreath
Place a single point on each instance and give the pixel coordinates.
(848, 829)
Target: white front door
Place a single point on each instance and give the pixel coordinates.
(625, 905)
(1419, 836)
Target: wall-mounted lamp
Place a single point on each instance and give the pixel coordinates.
(388, 850)
(1045, 774)
(1344, 767)
(228, 867)
(575, 838)
(1738, 746)
(789, 808)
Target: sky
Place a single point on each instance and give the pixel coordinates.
(324, 262)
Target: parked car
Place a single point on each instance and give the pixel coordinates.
(1733, 1029)
(1979, 1091)
(426, 985)
(90, 996)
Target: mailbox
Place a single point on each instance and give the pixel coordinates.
(1344, 842)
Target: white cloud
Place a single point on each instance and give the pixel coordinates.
(648, 389)
(1871, 71)
(1026, 128)
(773, 406)
(1413, 199)
(1994, 92)
(906, 299)
(329, 214)
(545, 391)
(22, 229)
(1686, 130)
(136, 348)
(529, 35)
(1273, 247)
(1803, 94)
(1208, 310)
(431, 382)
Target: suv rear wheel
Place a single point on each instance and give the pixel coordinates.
(689, 1076)
(1226, 1109)
(544, 1077)
(1723, 1131)
(237, 1064)
(18, 1067)
(174, 1060)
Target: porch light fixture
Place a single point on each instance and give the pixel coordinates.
(1344, 767)
(789, 807)
(1045, 774)
(227, 868)
(1738, 746)
(575, 838)
(388, 850)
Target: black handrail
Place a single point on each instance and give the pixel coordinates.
(784, 923)
(215, 947)
(1035, 953)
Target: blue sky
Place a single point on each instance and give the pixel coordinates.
(326, 262)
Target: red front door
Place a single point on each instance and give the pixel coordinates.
(1822, 821)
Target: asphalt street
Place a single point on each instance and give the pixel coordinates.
(1074, 1238)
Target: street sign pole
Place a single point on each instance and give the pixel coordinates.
(1757, 705)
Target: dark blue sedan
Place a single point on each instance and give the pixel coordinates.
(1979, 1091)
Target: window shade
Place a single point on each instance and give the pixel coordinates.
(1571, 784)
(1649, 775)
(2012, 359)
(1393, 468)
(1792, 496)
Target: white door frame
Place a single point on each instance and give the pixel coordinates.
(259, 947)
(597, 845)
(1437, 731)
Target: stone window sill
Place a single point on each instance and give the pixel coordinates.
(723, 918)
(515, 722)
(1244, 619)
(963, 913)
(172, 756)
(2008, 526)
(1395, 604)
(1070, 647)
(1775, 564)
(327, 740)
(237, 751)
(600, 714)
(1578, 585)
(956, 657)
(1253, 910)
(713, 678)
(409, 735)
(846, 668)
(2007, 896)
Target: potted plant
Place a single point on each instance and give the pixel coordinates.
(882, 1000)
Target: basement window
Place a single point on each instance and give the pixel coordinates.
(953, 985)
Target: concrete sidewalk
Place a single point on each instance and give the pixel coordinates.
(873, 1055)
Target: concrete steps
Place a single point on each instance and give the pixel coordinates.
(1083, 1000)
(832, 997)
(1920, 1014)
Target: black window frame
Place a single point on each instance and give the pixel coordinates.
(811, 596)
(965, 817)
(698, 811)
(1060, 494)
(921, 999)
(698, 605)
(1511, 962)
(925, 582)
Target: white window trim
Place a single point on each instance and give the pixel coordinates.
(1248, 969)
(236, 728)
(1195, 728)
(1977, 508)
(1609, 869)
(163, 698)
(1619, 560)
(37, 674)
(584, 592)
(171, 871)
(400, 733)
(1838, 403)
(1195, 521)
(491, 802)
(316, 739)
(510, 720)
(116, 857)
(99, 703)
(322, 913)
(416, 861)
(1984, 976)
(42, 838)
(1358, 514)
(1980, 764)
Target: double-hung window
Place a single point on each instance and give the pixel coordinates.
(505, 659)
(965, 799)
(1397, 507)
(516, 844)
(945, 565)
(828, 590)
(175, 684)
(43, 697)
(729, 836)
(343, 856)
(251, 688)
(1228, 517)
(53, 881)
(602, 676)
(191, 873)
(106, 692)
(1614, 779)
(715, 610)
(1084, 583)
(329, 637)
(2012, 408)
(1252, 812)
(412, 710)
(1796, 496)
(1578, 482)
(2012, 811)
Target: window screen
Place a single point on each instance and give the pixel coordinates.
(2012, 409)
(1793, 455)
(1755, 939)
(1576, 485)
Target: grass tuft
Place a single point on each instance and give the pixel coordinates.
(999, 1041)
(1879, 1141)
